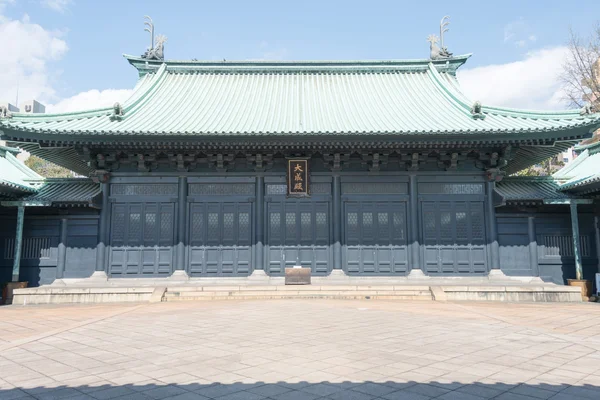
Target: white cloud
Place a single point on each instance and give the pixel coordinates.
(26, 56)
(519, 33)
(90, 100)
(57, 5)
(531, 83)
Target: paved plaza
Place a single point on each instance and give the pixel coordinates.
(301, 349)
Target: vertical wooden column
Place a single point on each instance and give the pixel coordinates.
(103, 230)
(337, 221)
(492, 227)
(62, 249)
(597, 235)
(181, 222)
(576, 244)
(413, 239)
(533, 251)
(260, 222)
(18, 244)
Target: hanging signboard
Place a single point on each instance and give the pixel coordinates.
(298, 175)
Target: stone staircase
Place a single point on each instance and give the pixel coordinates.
(248, 292)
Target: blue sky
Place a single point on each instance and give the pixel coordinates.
(88, 38)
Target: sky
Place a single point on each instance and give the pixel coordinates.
(68, 53)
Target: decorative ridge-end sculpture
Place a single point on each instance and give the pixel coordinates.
(588, 109)
(118, 113)
(476, 111)
(5, 113)
(441, 52)
(154, 52)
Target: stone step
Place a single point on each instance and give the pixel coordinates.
(173, 294)
(281, 296)
(309, 288)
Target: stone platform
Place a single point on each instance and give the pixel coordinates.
(260, 286)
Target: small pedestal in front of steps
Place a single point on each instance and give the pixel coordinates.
(297, 275)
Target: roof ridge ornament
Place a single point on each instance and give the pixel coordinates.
(118, 113)
(439, 53)
(588, 109)
(154, 53)
(476, 110)
(5, 113)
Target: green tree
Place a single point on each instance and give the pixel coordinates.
(545, 168)
(47, 169)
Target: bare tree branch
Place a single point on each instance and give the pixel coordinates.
(581, 71)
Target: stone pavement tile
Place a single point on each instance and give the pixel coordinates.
(459, 396)
(428, 390)
(514, 396)
(350, 395)
(182, 379)
(582, 392)
(296, 395)
(480, 391)
(188, 396)
(321, 389)
(565, 373)
(134, 396)
(243, 395)
(11, 394)
(405, 395)
(374, 389)
(81, 397)
(320, 376)
(295, 385)
(532, 391)
(163, 392)
(342, 370)
(60, 393)
(411, 376)
(218, 390)
(269, 390)
(112, 393)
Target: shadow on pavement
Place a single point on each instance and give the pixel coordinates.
(310, 391)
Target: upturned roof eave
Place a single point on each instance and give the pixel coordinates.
(490, 136)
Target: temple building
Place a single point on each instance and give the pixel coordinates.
(351, 168)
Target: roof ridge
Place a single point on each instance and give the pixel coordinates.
(455, 96)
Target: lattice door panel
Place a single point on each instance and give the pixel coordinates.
(141, 239)
(220, 239)
(375, 238)
(298, 233)
(453, 237)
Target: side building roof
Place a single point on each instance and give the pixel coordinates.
(582, 175)
(16, 179)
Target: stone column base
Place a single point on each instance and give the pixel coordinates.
(179, 275)
(338, 273)
(496, 274)
(417, 273)
(258, 275)
(99, 276)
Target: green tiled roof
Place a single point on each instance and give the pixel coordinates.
(583, 173)
(61, 192)
(15, 177)
(526, 189)
(419, 100)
